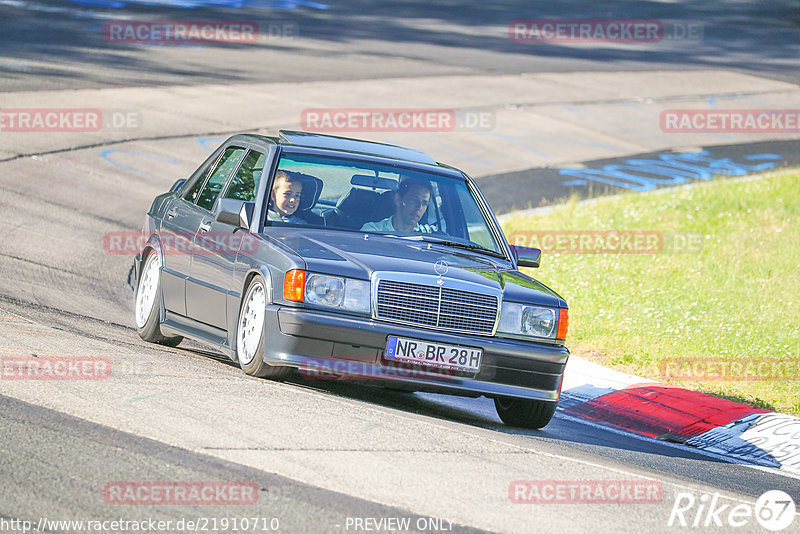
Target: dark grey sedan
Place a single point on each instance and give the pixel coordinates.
(345, 258)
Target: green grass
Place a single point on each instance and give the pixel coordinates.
(737, 297)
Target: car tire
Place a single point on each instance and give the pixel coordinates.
(147, 301)
(250, 334)
(524, 413)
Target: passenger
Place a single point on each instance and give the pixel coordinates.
(285, 199)
(411, 202)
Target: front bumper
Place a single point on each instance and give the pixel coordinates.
(323, 342)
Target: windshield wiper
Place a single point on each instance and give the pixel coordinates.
(472, 247)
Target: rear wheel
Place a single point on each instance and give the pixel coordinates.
(250, 335)
(524, 413)
(147, 304)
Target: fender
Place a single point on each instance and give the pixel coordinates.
(235, 308)
(153, 243)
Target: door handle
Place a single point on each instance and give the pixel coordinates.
(172, 213)
(205, 227)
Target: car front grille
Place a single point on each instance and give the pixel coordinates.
(434, 306)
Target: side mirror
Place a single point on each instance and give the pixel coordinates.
(177, 185)
(526, 256)
(235, 212)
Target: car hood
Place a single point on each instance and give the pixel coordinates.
(358, 255)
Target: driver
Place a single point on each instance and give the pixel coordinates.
(411, 201)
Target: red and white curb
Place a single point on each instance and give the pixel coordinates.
(670, 413)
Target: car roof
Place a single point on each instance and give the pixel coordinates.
(345, 144)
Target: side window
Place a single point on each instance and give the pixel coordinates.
(199, 177)
(191, 193)
(218, 177)
(477, 231)
(245, 184)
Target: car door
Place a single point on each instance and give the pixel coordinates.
(178, 228)
(214, 247)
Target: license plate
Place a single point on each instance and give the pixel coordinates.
(435, 354)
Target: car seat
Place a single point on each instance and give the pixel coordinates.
(312, 189)
(359, 206)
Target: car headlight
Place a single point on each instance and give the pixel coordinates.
(337, 292)
(324, 290)
(356, 295)
(534, 321)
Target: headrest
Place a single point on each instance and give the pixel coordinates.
(312, 189)
(384, 205)
(358, 201)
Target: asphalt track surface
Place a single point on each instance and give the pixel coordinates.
(320, 452)
(58, 45)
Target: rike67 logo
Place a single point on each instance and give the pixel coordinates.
(774, 510)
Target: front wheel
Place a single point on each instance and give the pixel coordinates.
(524, 413)
(250, 335)
(148, 296)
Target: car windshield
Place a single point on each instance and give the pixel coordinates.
(356, 195)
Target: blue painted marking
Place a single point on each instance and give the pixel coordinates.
(634, 182)
(108, 152)
(668, 169)
(99, 3)
(189, 4)
(205, 140)
(766, 155)
(575, 182)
